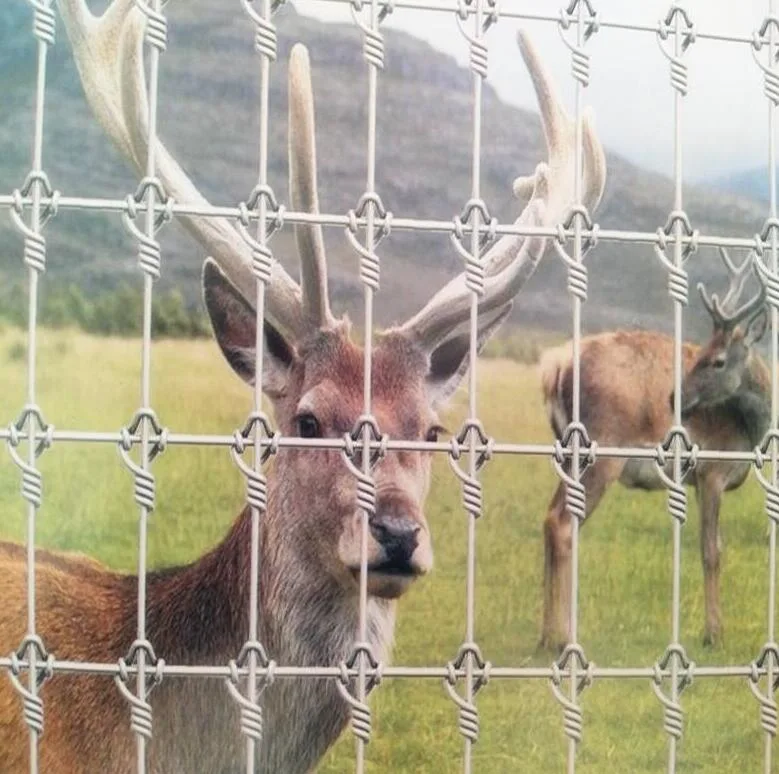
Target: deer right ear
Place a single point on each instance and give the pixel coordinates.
(756, 327)
(235, 326)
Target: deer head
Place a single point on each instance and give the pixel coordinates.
(312, 372)
(721, 369)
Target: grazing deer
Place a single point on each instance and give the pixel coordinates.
(626, 400)
(311, 531)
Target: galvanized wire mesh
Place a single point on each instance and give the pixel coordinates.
(36, 202)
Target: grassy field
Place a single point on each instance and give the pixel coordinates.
(89, 383)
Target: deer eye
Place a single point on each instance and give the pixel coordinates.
(308, 426)
(719, 361)
(432, 434)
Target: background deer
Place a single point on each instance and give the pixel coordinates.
(310, 533)
(627, 400)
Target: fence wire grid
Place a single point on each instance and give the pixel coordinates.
(33, 206)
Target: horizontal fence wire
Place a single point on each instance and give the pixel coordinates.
(144, 437)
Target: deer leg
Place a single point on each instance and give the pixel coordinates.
(709, 496)
(555, 632)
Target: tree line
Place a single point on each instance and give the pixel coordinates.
(115, 312)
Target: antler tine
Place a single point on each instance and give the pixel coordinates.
(513, 259)
(108, 51)
(709, 305)
(745, 312)
(303, 189)
(738, 277)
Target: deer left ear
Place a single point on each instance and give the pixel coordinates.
(450, 359)
(756, 328)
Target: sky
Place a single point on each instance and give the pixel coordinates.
(724, 117)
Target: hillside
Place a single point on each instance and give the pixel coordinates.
(746, 182)
(208, 118)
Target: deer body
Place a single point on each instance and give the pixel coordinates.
(315, 538)
(627, 384)
(196, 615)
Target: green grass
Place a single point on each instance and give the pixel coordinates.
(90, 383)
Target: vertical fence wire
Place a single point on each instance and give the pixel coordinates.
(577, 299)
(371, 207)
(675, 33)
(151, 190)
(257, 424)
(770, 648)
(37, 185)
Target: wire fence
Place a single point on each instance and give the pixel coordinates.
(34, 205)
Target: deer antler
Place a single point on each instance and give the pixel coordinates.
(722, 313)
(108, 51)
(513, 259)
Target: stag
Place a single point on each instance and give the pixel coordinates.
(312, 374)
(626, 381)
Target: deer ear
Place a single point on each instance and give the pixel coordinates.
(449, 360)
(756, 327)
(235, 326)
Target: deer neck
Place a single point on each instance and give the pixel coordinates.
(199, 613)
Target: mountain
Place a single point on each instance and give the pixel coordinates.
(752, 183)
(209, 120)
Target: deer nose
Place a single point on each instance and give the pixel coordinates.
(396, 533)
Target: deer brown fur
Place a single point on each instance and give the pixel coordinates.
(311, 532)
(627, 382)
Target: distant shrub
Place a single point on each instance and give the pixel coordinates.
(117, 312)
(521, 346)
(17, 352)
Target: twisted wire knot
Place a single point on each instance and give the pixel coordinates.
(577, 271)
(268, 441)
(366, 486)
(32, 479)
(360, 711)
(575, 491)
(770, 76)
(580, 66)
(32, 704)
(251, 714)
(145, 485)
(156, 26)
(474, 211)
(262, 257)
(471, 434)
(664, 29)
(149, 252)
(44, 23)
(34, 244)
(140, 709)
(479, 53)
(369, 260)
(468, 714)
(673, 714)
(373, 40)
(479, 57)
(266, 39)
(769, 714)
(763, 453)
(573, 717)
(580, 59)
(677, 494)
(769, 279)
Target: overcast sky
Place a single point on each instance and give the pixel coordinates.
(724, 115)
